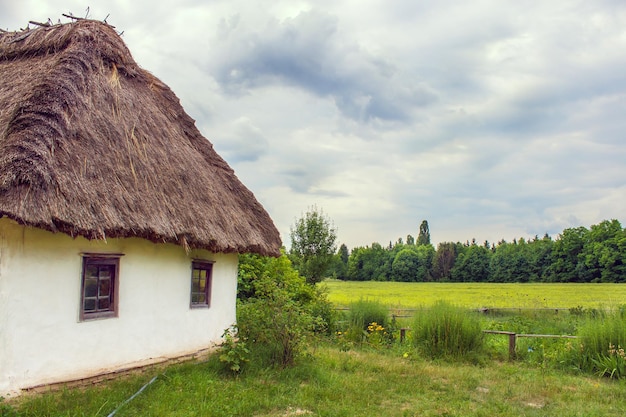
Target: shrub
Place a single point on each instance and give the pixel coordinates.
(446, 330)
(277, 311)
(260, 277)
(276, 329)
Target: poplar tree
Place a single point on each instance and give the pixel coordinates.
(424, 236)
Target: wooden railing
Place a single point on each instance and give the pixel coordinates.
(513, 338)
(511, 335)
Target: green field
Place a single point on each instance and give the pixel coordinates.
(478, 295)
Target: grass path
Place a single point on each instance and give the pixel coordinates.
(478, 295)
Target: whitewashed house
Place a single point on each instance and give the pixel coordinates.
(119, 224)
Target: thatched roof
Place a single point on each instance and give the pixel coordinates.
(92, 145)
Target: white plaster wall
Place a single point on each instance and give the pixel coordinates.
(42, 339)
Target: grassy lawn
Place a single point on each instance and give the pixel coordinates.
(477, 295)
(354, 383)
(372, 380)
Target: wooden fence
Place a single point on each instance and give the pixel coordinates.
(511, 335)
(513, 338)
(410, 312)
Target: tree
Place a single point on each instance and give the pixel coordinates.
(424, 236)
(404, 266)
(370, 263)
(444, 260)
(540, 257)
(472, 265)
(565, 255)
(601, 256)
(425, 254)
(510, 262)
(340, 262)
(313, 245)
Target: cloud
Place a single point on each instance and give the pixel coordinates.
(245, 143)
(489, 119)
(310, 53)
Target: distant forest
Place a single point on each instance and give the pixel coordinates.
(596, 254)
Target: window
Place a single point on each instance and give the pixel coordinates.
(201, 283)
(99, 286)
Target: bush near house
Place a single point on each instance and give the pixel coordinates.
(277, 311)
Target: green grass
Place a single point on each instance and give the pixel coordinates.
(370, 380)
(478, 295)
(447, 331)
(345, 384)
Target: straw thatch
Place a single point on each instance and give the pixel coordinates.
(92, 145)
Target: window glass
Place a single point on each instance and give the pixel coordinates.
(99, 286)
(201, 284)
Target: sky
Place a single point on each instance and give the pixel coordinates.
(490, 119)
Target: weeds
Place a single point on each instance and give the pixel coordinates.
(233, 352)
(6, 410)
(600, 346)
(612, 364)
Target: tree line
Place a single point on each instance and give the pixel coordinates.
(595, 254)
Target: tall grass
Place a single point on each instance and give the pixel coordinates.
(601, 346)
(446, 330)
(363, 313)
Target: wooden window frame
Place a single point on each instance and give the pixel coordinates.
(201, 265)
(99, 259)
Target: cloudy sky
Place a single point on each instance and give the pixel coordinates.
(490, 119)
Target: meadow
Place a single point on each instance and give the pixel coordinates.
(407, 295)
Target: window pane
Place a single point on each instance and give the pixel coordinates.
(105, 272)
(105, 287)
(90, 304)
(91, 287)
(200, 282)
(91, 271)
(104, 303)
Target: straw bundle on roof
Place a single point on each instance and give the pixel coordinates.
(92, 145)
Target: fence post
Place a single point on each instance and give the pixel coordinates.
(512, 338)
(403, 334)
